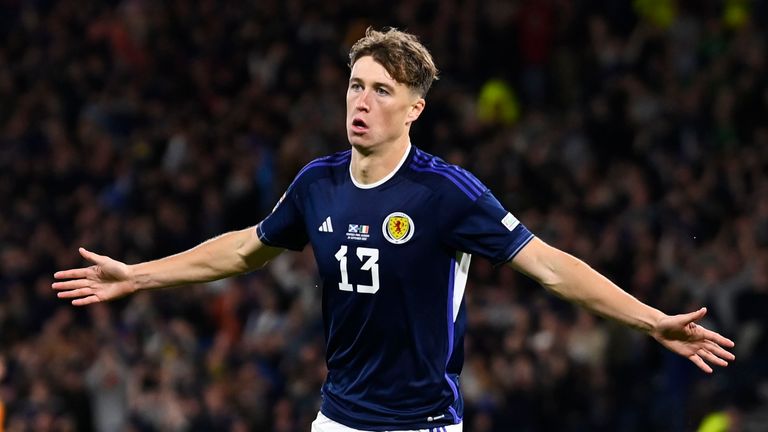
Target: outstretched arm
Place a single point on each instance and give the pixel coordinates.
(573, 280)
(229, 254)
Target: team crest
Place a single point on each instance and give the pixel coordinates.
(398, 228)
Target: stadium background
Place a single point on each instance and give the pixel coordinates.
(631, 133)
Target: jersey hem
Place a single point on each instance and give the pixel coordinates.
(390, 427)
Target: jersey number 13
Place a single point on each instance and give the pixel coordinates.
(369, 257)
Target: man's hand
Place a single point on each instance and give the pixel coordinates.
(106, 280)
(681, 334)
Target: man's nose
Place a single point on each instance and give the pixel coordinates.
(361, 103)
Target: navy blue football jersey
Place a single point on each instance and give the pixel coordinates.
(393, 258)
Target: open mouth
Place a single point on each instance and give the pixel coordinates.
(359, 125)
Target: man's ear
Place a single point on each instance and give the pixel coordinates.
(415, 110)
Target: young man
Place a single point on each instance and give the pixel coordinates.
(393, 230)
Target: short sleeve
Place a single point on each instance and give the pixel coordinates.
(285, 227)
(488, 230)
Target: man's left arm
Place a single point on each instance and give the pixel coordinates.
(572, 279)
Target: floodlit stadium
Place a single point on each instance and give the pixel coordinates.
(629, 134)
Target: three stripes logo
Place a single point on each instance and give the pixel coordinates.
(326, 226)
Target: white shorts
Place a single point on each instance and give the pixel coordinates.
(324, 424)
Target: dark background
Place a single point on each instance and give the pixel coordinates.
(630, 133)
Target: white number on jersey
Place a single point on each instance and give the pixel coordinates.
(369, 265)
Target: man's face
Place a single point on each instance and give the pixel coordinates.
(379, 109)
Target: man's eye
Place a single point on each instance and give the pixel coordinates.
(355, 86)
(382, 91)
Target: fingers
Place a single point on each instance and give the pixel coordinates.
(694, 316)
(719, 351)
(685, 322)
(80, 286)
(82, 296)
(80, 273)
(71, 284)
(86, 301)
(717, 338)
(711, 353)
(81, 292)
(711, 358)
(700, 363)
(92, 257)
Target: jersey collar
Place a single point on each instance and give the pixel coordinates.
(386, 177)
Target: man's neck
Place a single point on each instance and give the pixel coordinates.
(370, 167)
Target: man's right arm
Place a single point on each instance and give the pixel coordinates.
(229, 254)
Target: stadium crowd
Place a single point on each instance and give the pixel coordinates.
(631, 133)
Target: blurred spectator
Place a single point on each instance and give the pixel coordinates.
(632, 133)
(107, 381)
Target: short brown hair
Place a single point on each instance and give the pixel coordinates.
(402, 55)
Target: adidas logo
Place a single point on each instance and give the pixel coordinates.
(326, 226)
